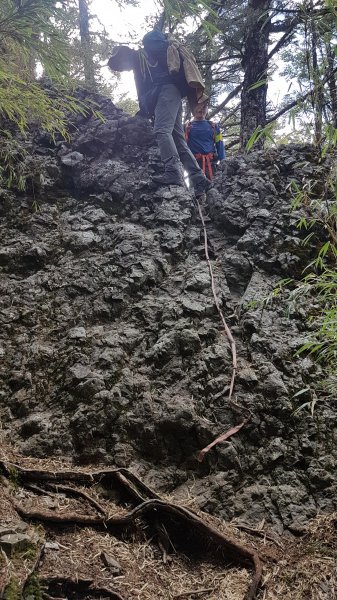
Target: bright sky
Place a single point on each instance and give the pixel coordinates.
(121, 22)
(125, 25)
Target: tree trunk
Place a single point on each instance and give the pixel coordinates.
(318, 98)
(332, 82)
(255, 65)
(88, 62)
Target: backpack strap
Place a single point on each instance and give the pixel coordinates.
(145, 64)
(213, 125)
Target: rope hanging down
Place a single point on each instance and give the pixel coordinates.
(231, 340)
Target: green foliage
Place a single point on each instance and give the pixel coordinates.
(179, 9)
(89, 53)
(28, 34)
(322, 391)
(309, 63)
(317, 290)
(308, 404)
(28, 29)
(16, 167)
(330, 141)
(221, 31)
(12, 154)
(32, 588)
(259, 133)
(127, 104)
(12, 590)
(23, 102)
(323, 343)
(258, 84)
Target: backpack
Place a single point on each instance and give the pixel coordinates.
(156, 45)
(179, 62)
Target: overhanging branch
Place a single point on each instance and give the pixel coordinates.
(231, 95)
(301, 98)
(285, 38)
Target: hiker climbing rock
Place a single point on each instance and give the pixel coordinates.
(165, 72)
(204, 139)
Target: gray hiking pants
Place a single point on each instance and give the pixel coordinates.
(169, 132)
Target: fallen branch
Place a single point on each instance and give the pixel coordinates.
(173, 518)
(219, 439)
(79, 493)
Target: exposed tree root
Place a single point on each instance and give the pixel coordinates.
(77, 493)
(183, 528)
(260, 533)
(127, 480)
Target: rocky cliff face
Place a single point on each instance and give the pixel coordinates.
(112, 350)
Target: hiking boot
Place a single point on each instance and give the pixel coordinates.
(173, 173)
(202, 187)
(168, 178)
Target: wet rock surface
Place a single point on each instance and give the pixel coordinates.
(112, 350)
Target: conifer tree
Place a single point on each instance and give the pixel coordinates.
(237, 46)
(86, 47)
(255, 65)
(28, 33)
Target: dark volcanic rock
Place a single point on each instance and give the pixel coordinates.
(111, 347)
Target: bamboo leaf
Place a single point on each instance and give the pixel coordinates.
(258, 84)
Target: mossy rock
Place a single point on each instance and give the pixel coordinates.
(32, 589)
(12, 590)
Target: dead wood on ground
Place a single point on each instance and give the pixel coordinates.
(182, 526)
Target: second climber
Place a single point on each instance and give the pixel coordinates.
(204, 139)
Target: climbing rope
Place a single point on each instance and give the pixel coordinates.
(231, 340)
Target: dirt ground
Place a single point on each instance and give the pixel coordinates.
(72, 560)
